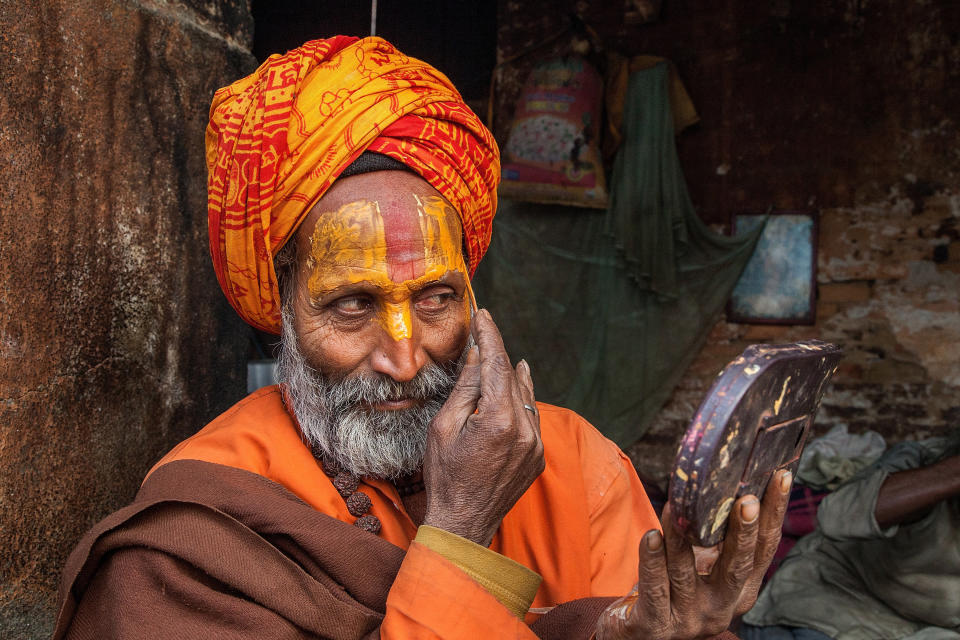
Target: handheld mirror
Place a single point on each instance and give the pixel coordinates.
(753, 422)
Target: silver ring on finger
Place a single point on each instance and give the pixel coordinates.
(530, 408)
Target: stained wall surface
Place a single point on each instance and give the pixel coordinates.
(115, 341)
(849, 108)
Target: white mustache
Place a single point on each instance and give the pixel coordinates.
(430, 382)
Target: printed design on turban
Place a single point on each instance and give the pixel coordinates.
(278, 139)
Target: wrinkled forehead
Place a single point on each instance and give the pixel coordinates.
(403, 234)
(396, 216)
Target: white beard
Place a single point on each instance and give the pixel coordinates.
(338, 419)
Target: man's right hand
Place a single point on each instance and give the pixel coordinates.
(672, 601)
(483, 448)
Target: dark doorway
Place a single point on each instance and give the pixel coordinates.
(459, 38)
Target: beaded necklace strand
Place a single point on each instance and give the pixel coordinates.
(359, 503)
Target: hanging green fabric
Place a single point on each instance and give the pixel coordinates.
(609, 308)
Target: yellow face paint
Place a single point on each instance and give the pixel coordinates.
(392, 249)
(397, 321)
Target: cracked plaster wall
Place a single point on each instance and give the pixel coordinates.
(115, 342)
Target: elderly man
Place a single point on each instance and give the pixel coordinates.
(402, 480)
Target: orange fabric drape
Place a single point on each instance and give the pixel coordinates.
(278, 139)
(579, 525)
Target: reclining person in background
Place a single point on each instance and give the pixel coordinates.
(398, 412)
(885, 559)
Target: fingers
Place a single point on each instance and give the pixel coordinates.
(498, 379)
(462, 401)
(736, 562)
(525, 383)
(681, 565)
(772, 509)
(653, 601)
(775, 500)
(493, 355)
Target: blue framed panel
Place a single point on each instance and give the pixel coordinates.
(778, 285)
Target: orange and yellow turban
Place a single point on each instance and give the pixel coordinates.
(278, 139)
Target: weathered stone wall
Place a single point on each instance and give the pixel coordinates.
(889, 293)
(115, 341)
(847, 107)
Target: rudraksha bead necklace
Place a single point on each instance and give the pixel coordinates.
(347, 484)
(359, 503)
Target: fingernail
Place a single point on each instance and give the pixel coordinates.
(785, 481)
(654, 541)
(525, 366)
(486, 314)
(750, 510)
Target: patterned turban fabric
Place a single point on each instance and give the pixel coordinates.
(279, 138)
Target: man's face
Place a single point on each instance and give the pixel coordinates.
(382, 286)
(380, 310)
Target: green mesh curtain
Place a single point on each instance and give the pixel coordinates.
(609, 308)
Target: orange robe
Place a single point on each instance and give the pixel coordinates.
(578, 525)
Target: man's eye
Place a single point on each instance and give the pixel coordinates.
(351, 306)
(434, 302)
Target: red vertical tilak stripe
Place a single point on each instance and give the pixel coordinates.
(404, 238)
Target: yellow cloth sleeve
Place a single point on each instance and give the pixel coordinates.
(510, 582)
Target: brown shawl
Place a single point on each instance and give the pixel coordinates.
(200, 554)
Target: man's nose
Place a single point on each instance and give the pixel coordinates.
(400, 354)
